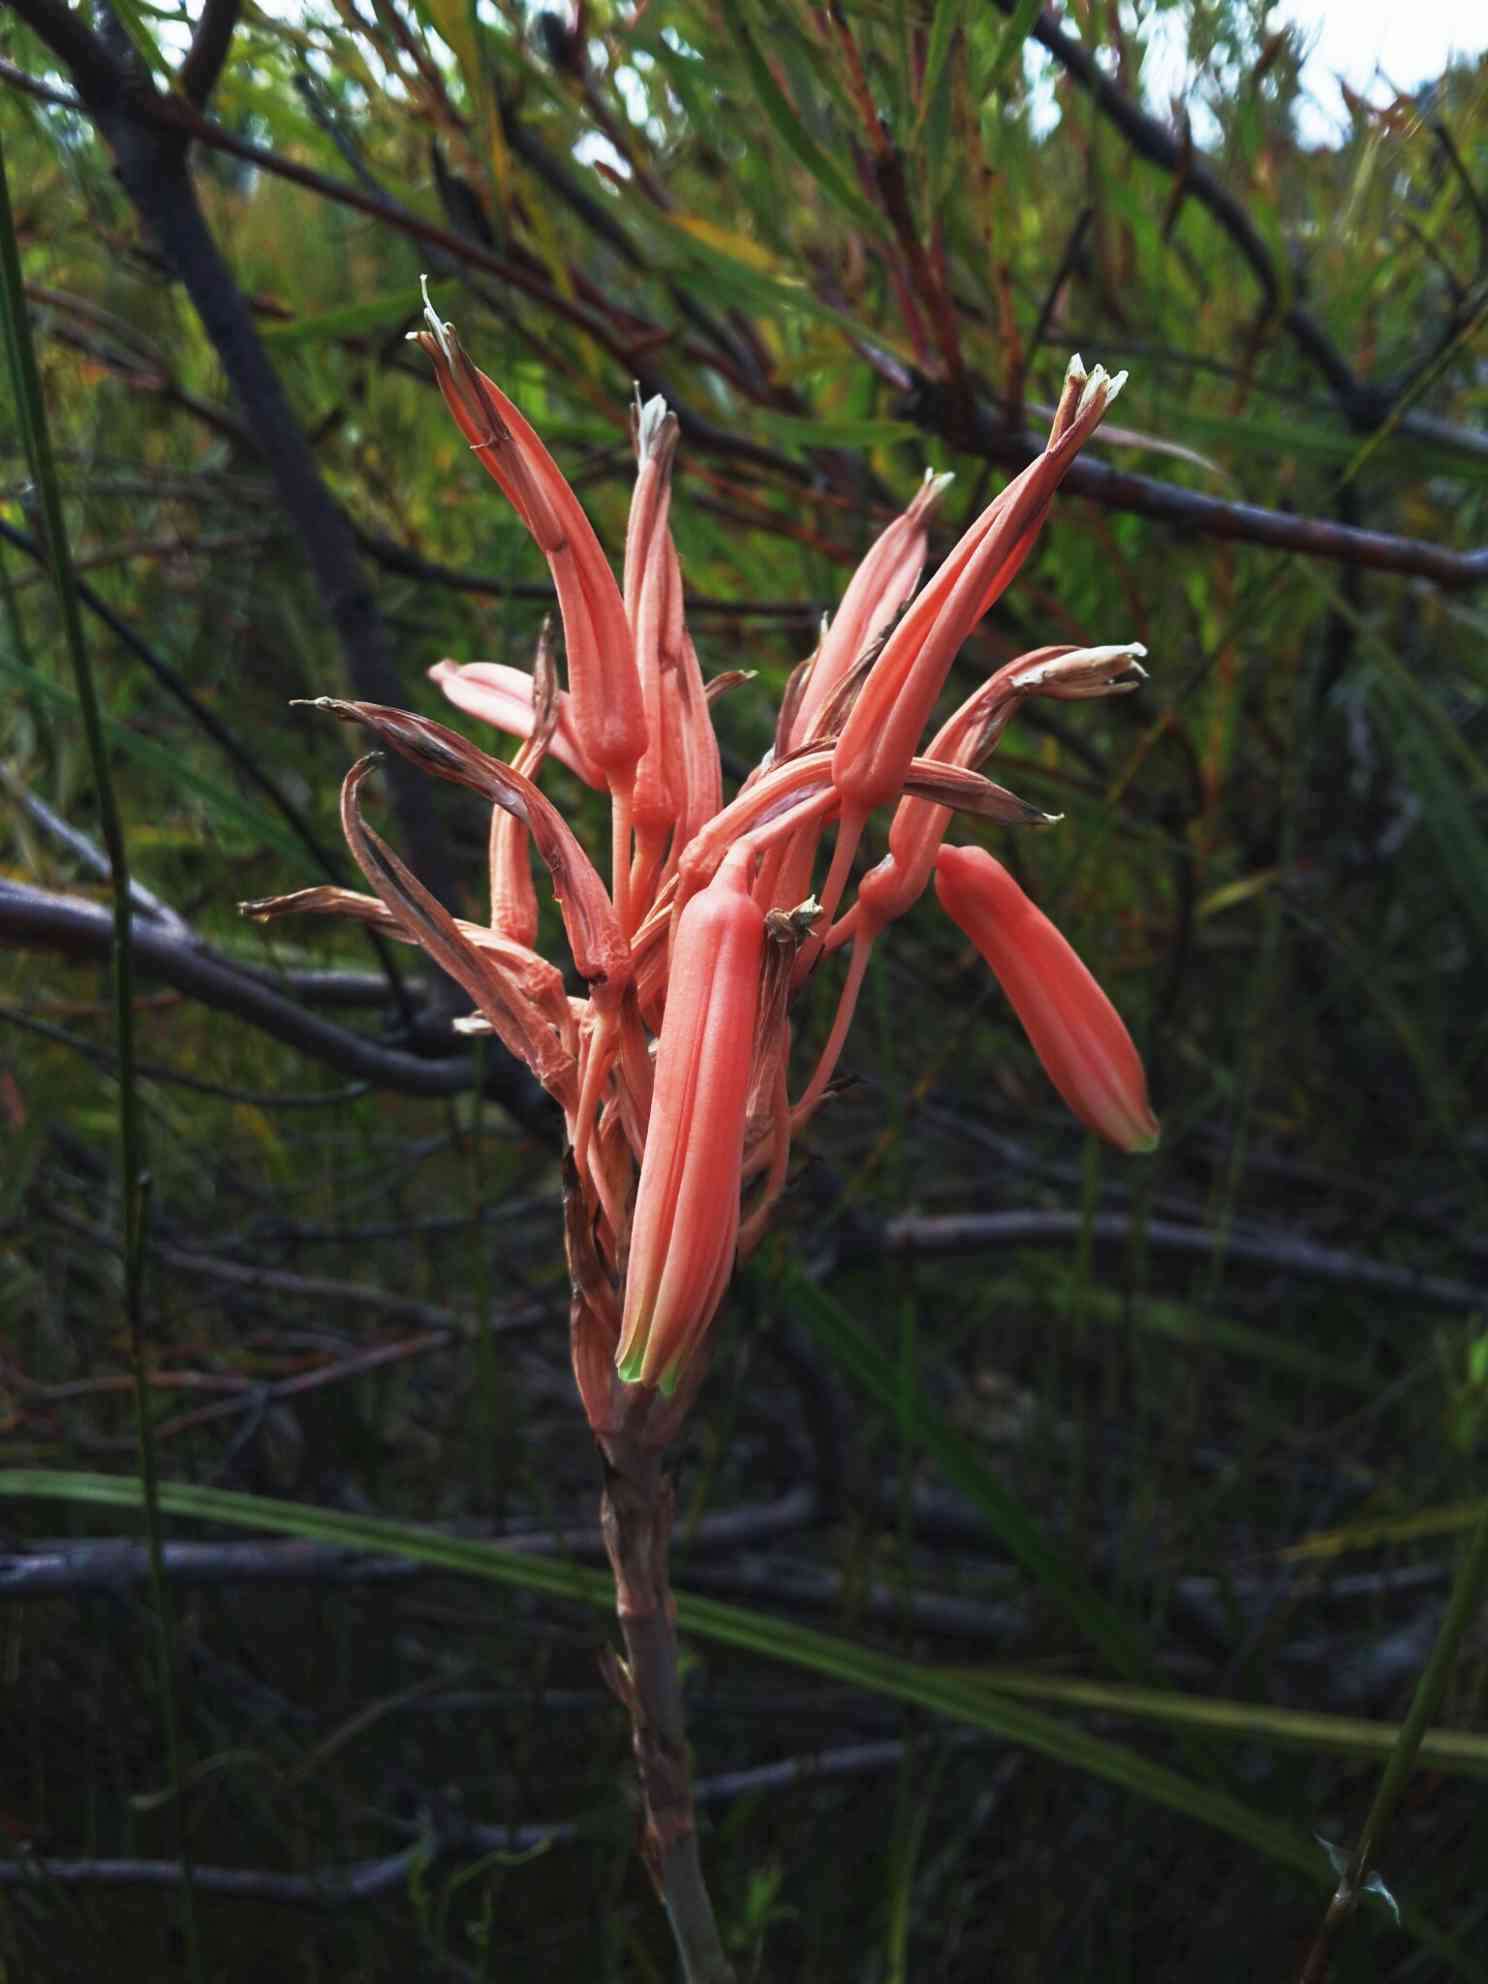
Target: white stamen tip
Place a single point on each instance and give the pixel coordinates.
(439, 330)
(651, 418)
(1076, 367)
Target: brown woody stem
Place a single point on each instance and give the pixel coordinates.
(636, 1514)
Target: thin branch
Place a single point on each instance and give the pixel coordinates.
(364, 1880)
(362, 1296)
(197, 76)
(86, 852)
(35, 919)
(395, 557)
(1141, 495)
(1475, 199)
(1168, 502)
(68, 35)
(103, 1057)
(71, 1565)
(1073, 249)
(221, 734)
(169, 114)
(1151, 141)
(968, 1233)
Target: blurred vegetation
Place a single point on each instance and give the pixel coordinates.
(1124, 1497)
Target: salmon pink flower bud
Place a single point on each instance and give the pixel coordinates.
(881, 734)
(686, 1223)
(607, 708)
(877, 593)
(1075, 1030)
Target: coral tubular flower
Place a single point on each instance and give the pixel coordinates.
(882, 733)
(607, 710)
(1074, 1029)
(687, 1206)
(671, 1061)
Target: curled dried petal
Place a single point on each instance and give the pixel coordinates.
(600, 950)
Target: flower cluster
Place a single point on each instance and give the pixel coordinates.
(673, 1071)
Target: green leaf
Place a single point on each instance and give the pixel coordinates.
(943, 25)
(786, 428)
(1459, 1751)
(941, 1691)
(789, 128)
(875, 1374)
(1014, 34)
(1412, 723)
(132, 20)
(354, 320)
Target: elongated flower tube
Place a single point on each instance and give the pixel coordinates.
(879, 590)
(607, 710)
(880, 736)
(686, 1222)
(1073, 1027)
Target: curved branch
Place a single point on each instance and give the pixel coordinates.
(35, 919)
(82, 1564)
(1142, 495)
(220, 733)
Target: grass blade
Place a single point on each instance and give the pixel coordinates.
(941, 1691)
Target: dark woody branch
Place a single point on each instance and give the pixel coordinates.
(444, 1836)
(1150, 140)
(34, 919)
(1207, 516)
(148, 134)
(69, 37)
(208, 51)
(961, 1233)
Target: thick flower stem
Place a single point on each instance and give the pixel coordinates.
(636, 1514)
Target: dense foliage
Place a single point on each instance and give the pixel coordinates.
(1086, 1525)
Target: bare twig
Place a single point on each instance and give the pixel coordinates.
(76, 1565)
(35, 919)
(221, 734)
(364, 1880)
(362, 1296)
(104, 1057)
(1151, 141)
(958, 1233)
(87, 852)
